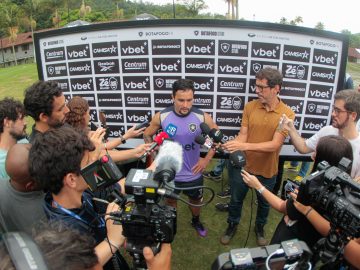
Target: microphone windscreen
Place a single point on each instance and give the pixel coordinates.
(171, 153)
(205, 128)
(237, 159)
(161, 137)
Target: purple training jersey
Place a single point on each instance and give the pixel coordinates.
(184, 129)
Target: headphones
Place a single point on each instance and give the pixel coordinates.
(24, 253)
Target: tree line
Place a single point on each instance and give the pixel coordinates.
(18, 16)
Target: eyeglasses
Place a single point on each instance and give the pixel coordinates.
(261, 87)
(337, 111)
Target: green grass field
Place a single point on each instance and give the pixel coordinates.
(189, 250)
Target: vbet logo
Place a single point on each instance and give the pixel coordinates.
(136, 82)
(314, 124)
(296, 105)
(329, 58)
(231, 66)
(199, 47)
(78, 51)
(134, 47)
(265, 50)
(321, 91)
(138, 116)
(202, 83)
(82, 84)
(164, 65)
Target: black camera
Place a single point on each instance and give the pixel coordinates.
(145, 221)
(332, 191)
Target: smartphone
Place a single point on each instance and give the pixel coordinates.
(142, 125)
(102, 119)
(93, 127)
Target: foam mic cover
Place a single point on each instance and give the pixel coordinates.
(237, 159)
(169, 161)
(204, 128)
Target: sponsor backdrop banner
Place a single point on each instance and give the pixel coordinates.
(127, 69)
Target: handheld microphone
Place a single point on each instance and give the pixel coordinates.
(208, 143)
(237, 159)
(169, 161)
(158, 140)
(205, 128)
(217, 136)
(205, 141)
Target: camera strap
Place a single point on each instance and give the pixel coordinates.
(74, 215)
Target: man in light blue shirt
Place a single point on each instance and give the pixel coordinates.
(12, 129)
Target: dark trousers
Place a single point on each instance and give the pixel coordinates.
(238, 191)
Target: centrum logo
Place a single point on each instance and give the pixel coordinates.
(202, 101)
(135, 65)
(55, 54)
(230, 84)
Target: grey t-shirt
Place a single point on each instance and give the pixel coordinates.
(20, 211)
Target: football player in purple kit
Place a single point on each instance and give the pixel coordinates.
(182, 123)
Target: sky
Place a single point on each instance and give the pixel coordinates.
(335, 15)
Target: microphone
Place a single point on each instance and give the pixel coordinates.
(237, 159)
(205, 141)
(208, 143)
(205, 128)
(158, 140)
(217, 136)
(169, 161)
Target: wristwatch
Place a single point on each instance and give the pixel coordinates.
(123, 141)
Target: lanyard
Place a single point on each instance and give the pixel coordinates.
(70, 213)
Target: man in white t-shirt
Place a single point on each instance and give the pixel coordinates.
(345, 114)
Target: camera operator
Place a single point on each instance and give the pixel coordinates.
(310, 226)
(56, 159)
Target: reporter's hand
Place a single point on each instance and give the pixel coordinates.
(286, 123)
(132, 133)
(161, 261)
(251, 180)
(114, 231)
(141, 149)
(234, 145)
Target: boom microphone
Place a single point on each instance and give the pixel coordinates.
(158, 140)
(169, 161)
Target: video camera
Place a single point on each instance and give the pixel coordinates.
(332, 191)
(145, 222)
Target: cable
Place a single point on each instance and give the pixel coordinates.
(276, 252)
(189, 188)
(251, 215)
